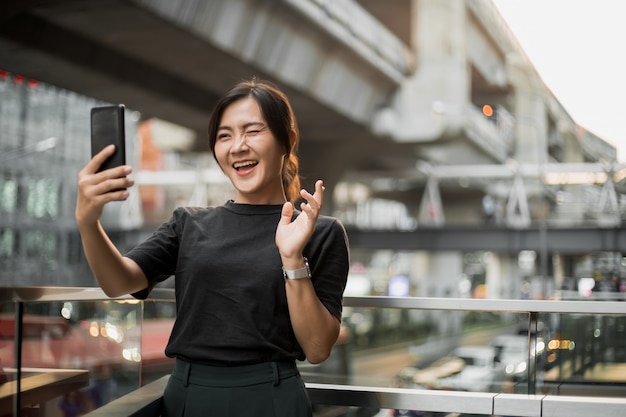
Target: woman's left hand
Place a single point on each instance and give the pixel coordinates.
(292, 236)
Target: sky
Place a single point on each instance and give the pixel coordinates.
(577, 47)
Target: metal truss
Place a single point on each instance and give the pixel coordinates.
(607, 208)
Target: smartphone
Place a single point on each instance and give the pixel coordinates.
(107, 127)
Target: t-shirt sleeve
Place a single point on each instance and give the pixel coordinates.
(329, 260)
(157, 256)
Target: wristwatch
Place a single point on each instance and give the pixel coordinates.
(298, 273)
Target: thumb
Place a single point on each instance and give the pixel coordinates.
(286, 213)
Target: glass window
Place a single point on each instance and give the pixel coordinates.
(43, 198)
(40, 244)
(8, 196)
(7, 243)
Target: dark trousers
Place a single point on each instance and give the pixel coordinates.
(273, 389)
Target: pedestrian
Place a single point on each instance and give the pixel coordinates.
(259, 280)
(73, 404)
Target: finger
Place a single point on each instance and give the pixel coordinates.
(97, 185)
(319, 192)
(310, 209)
(316, 200)
(310, 205)
(116, 184)
(121, 171)
(286, 213)
(89, 204)
(98, 159)
(105, 181)
(119, 195)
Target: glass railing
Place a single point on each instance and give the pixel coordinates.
(75, 348)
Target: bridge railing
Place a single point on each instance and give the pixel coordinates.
(63, 345)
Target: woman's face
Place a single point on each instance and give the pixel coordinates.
(249, 154)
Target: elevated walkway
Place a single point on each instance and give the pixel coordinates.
(573, 240)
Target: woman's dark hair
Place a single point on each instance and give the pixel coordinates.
(280, 120)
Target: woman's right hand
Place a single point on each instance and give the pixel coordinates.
(95, 189)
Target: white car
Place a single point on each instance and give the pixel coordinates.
(480, 373)
(427, 378)
(513, 353)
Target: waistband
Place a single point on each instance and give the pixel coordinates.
(233, 376)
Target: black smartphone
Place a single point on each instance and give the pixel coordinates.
(107, 127)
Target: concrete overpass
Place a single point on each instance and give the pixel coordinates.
(172, 59)
(380, 91)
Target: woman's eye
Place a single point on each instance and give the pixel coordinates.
(253, 132)
(223, 136)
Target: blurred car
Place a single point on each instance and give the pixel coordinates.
(513, 353)
(428, 377)
(481, 372)
(424, 378)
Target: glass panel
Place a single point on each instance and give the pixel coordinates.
(586, 355)
(426, 350)
(562, 354)
(557, 354)
(97, 351)
(90, 349)
(156, 328)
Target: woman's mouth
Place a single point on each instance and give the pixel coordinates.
(243, 167)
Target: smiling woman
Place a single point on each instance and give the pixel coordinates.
(255, 119)
(259, 282)
(249, 154)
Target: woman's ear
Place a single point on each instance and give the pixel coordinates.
(292, 138)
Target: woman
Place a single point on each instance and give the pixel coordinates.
(258, 282)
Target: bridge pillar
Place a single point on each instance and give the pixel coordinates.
(502, 276)
(438, 274)
(427, 106)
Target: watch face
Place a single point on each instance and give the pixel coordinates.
(298, 273)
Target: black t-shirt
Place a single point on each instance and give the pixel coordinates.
(230, 292)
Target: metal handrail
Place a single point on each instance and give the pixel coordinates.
(15, 294)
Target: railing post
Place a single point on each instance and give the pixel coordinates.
(19, 326)
(532, 344)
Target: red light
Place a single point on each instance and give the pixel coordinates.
(19, 79)
(32, 83)
(4, 74)
(487, 110)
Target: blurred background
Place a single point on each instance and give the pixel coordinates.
(455, 169)
(417, 115)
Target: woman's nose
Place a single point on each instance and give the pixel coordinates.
(240, 143)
